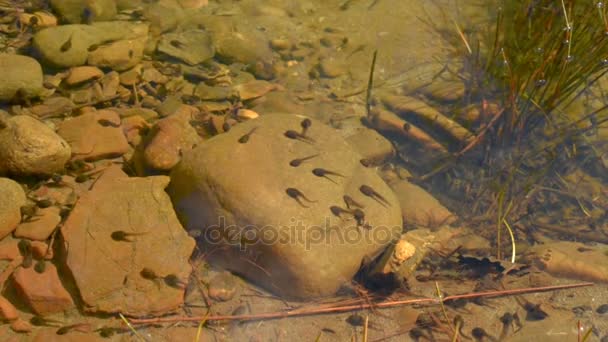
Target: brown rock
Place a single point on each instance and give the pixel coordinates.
(8, 248)
(82, 74)
(12, 198)
(43, 292)
(228, 191)
(53, 106)
(109, 84)
(171, 137)
(95, 135)
(41, 228)
(132, 127)
(109, 276)
(21, 326)
(7, 310)
(40, 250)
(120, 55)
(222, 287)
(131, 77)
(29, 147)
(371, 145)
(254, 89)
(332, 67)
(419, 207)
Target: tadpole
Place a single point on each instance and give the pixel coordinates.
(245, 138)
(121, 235)
(370, 192)
(298, 136)
(298, 161)
(297, 194)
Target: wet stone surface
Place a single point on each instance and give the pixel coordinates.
(320, 246)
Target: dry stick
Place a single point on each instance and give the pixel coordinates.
(361, 306)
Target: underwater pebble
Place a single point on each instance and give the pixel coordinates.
(43, 292)
(7, 310)
(82, 74)
(30, 147)
(12, 198)
(21, 74)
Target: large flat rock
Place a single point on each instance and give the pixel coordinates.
(108, 271)
(234, 195)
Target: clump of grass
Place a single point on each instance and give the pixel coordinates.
(537, 57)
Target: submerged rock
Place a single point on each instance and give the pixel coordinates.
(95, 135)
(192, 47)
(71, 45)
(21, 76)
(78, 11)
(125, 247)
(12, 198)
(29, 147)
(571, 260)
(43, 292)
(269, 200)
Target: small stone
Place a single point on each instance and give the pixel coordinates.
(9, 249)
(29, 147)
(82, 74)
(131, 77)
(119, 55)
(95, 135)
(85, 12)
(12, 198)
(133, 128)
(170, 138)
(40, 250)
(222, 287)
(208, 93)
(280, 44)
(43, 292)
(332, 67)
(419, 207)
(151, 74)
(371, 145)
(43, 19)
(21, 326)
(248, 47)
(254, 89)
(21, 77)
(7, 310)
(110, 84)
(192, 47)
(42, 227)
(53, 107)
(246, 114)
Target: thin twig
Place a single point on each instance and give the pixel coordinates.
(360, 306)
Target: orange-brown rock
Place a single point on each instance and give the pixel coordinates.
(419, 207)
(168, 140)
(21, 326)
(43, 292)
(95, 135)
(40, 228)
(7, 310)
(108, 268)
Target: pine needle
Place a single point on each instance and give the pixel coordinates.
(124, 319)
